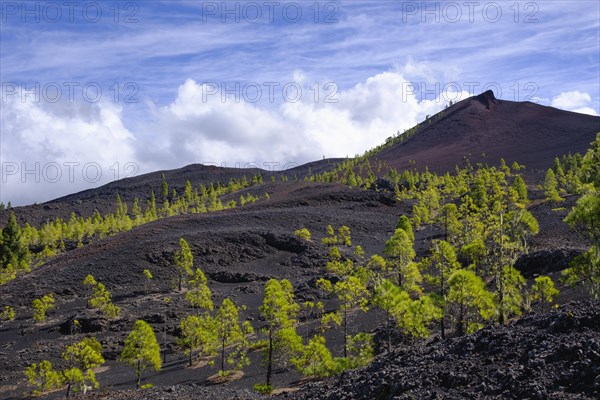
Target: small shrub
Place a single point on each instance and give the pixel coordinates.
(8, 314)
(41, 306)
(263, 388)
(303, 234)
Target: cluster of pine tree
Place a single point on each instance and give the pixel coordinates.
(26, 247)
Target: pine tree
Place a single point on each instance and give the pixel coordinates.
(445, 263)
(303, 234)
(83, 356)
(479, 193)
(512, 298)
(585, 219)
(187, 192)
(184, 260)
(389, 297)
(469, 301)
(404, 224)
(360, 351)
(316, 360)
(200, 295)
(199, 334)
(41, 306)
(100, 298)
(449, 220)
(164, 188)
(43, 377)
(543, 291)
(331, 239)
(521, 190)
(351, 293)
(13, 252)
(7, 314)
(149, 278)
(231, 333)
(151, 213)
(141, 350)
(344, 232)
(401, 253)
(551, 187)
(279, 311)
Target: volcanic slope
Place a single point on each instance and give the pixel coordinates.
(485, 129)
(548, 356)
(238, 249)
(481, 129)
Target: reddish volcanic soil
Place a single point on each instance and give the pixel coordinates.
(525, 132)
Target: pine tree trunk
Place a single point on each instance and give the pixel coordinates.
(399, 276)
(501, 299)
(442, 325)
(270, 362)
(223, 355)
(345, 333)
(387, 327)
(461, 327)
(165, 340)
(139, 374)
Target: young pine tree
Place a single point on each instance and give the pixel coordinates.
(444, 262)
(141, 350)
(279, 311)
(199, 335)
(14, 254)
(521, 190)
(41, 306)
(200, 296)
(551, 187)
(82, 357)
(401, 253)
(469, 301)
(316, 360)
(231, 333)
(351, 293)
(543, 292)
(43, 377)
(184, 260)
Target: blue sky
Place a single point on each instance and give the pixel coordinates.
(354, 62)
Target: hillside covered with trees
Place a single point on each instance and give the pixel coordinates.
(267, 283)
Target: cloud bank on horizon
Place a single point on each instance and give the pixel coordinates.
(96, 91)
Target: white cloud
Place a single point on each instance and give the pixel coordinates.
(574, 101)
(201, 127)
(53, 149)
(197, 127)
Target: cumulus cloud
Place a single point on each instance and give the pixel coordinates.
(574, 101)
(53, 149)
(203, 125)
